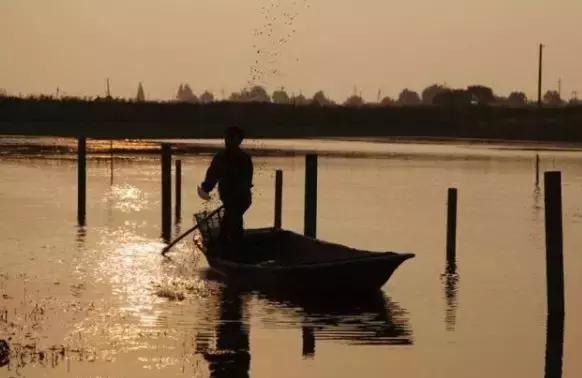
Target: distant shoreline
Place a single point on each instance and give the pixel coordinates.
(49, 146)
(149, 120)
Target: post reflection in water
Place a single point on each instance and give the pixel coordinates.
(80, 236)
(451, 282)
(537, 205)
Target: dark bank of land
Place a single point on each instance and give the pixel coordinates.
(152, 120)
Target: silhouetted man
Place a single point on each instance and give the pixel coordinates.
(232, 169)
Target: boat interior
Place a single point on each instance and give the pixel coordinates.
(269, 246)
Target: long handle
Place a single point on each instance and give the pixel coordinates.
(167, 248)
(189, 231)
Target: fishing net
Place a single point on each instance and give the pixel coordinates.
(209, 225)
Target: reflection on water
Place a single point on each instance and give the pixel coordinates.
(126, 198)
(451, 282)
(230, 356)
(370, 319)
(81, 234)
(101, 301)
(4, 351)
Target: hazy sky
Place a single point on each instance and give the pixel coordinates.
(334, 45)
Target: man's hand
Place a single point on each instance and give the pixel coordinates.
(202, 194)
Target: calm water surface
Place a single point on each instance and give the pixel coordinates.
(101, 301)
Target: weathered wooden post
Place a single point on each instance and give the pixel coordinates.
(537, 170)
(554, 274)
(310, 211)
(451, 277)
(81, 180)
(554, 244)
(166, 191)
(308, 341)
(452, 229)
(554, 345)
(278, 198)
(178, 205)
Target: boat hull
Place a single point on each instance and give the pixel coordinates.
(276, 259)
(353, 275)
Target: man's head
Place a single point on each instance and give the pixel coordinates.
(233, 137)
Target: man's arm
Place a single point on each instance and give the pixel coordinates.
(212, 174)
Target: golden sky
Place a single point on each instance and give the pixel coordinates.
(334, 45)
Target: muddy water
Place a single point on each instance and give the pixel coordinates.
(101, 301)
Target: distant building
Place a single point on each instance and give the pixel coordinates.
(140, 93)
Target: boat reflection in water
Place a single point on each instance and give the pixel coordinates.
(366, 319)
(371, 319)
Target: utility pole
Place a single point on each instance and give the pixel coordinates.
(540, 76)
(108, 90)
(538, 115)
(560, 87)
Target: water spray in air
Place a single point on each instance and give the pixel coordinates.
(271, 38)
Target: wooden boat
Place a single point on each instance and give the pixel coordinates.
(280, 259)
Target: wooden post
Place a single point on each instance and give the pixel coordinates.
(310, 211)
(278, 197)
(554, 274)
(166, 191)
(178, 205)
(308, 344)
(554, 345)
(537, 170)
(81, 180)
(554, 244)
(451, 277)
(452, 229)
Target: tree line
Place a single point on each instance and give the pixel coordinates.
(436, 94)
